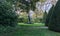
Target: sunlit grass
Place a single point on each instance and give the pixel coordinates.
(35, 24)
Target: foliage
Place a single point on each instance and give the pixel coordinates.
(22, 20)
(7, 16)
(28, 5)
(49, 15)
(44, 16)
(54, 23)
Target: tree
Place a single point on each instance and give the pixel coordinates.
(49, 15)
(27, 6)
(54, 23)
(44, 16)
(7, 16)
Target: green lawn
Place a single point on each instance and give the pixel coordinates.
(28, 30)
(35, 24)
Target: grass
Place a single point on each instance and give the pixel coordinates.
(35, 24)
(28, 30)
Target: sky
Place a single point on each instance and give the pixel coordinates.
(47, 5)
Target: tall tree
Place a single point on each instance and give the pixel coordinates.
(54, 23)
(27, 6)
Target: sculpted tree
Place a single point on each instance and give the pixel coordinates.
(49, 15)
(54, 23)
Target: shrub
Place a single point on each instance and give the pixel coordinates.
(7, 16)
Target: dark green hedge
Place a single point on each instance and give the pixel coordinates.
(54, 23)
(7, 16)
(49, 15)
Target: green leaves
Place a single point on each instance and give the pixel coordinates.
(7, 16)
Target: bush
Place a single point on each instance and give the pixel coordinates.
(4, 31)
(7, 16)
(23, 18)
(54, 23)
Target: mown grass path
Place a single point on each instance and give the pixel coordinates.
(24, 30)
(36, 31)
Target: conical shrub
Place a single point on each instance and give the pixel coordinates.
(54, 23)
(49, 15)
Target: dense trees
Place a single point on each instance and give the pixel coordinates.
(54, 23)
(7, 16)
(27, 5)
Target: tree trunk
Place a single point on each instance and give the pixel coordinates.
(29, 19)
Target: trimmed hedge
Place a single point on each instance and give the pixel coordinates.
(54, 23)
(49, 15)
